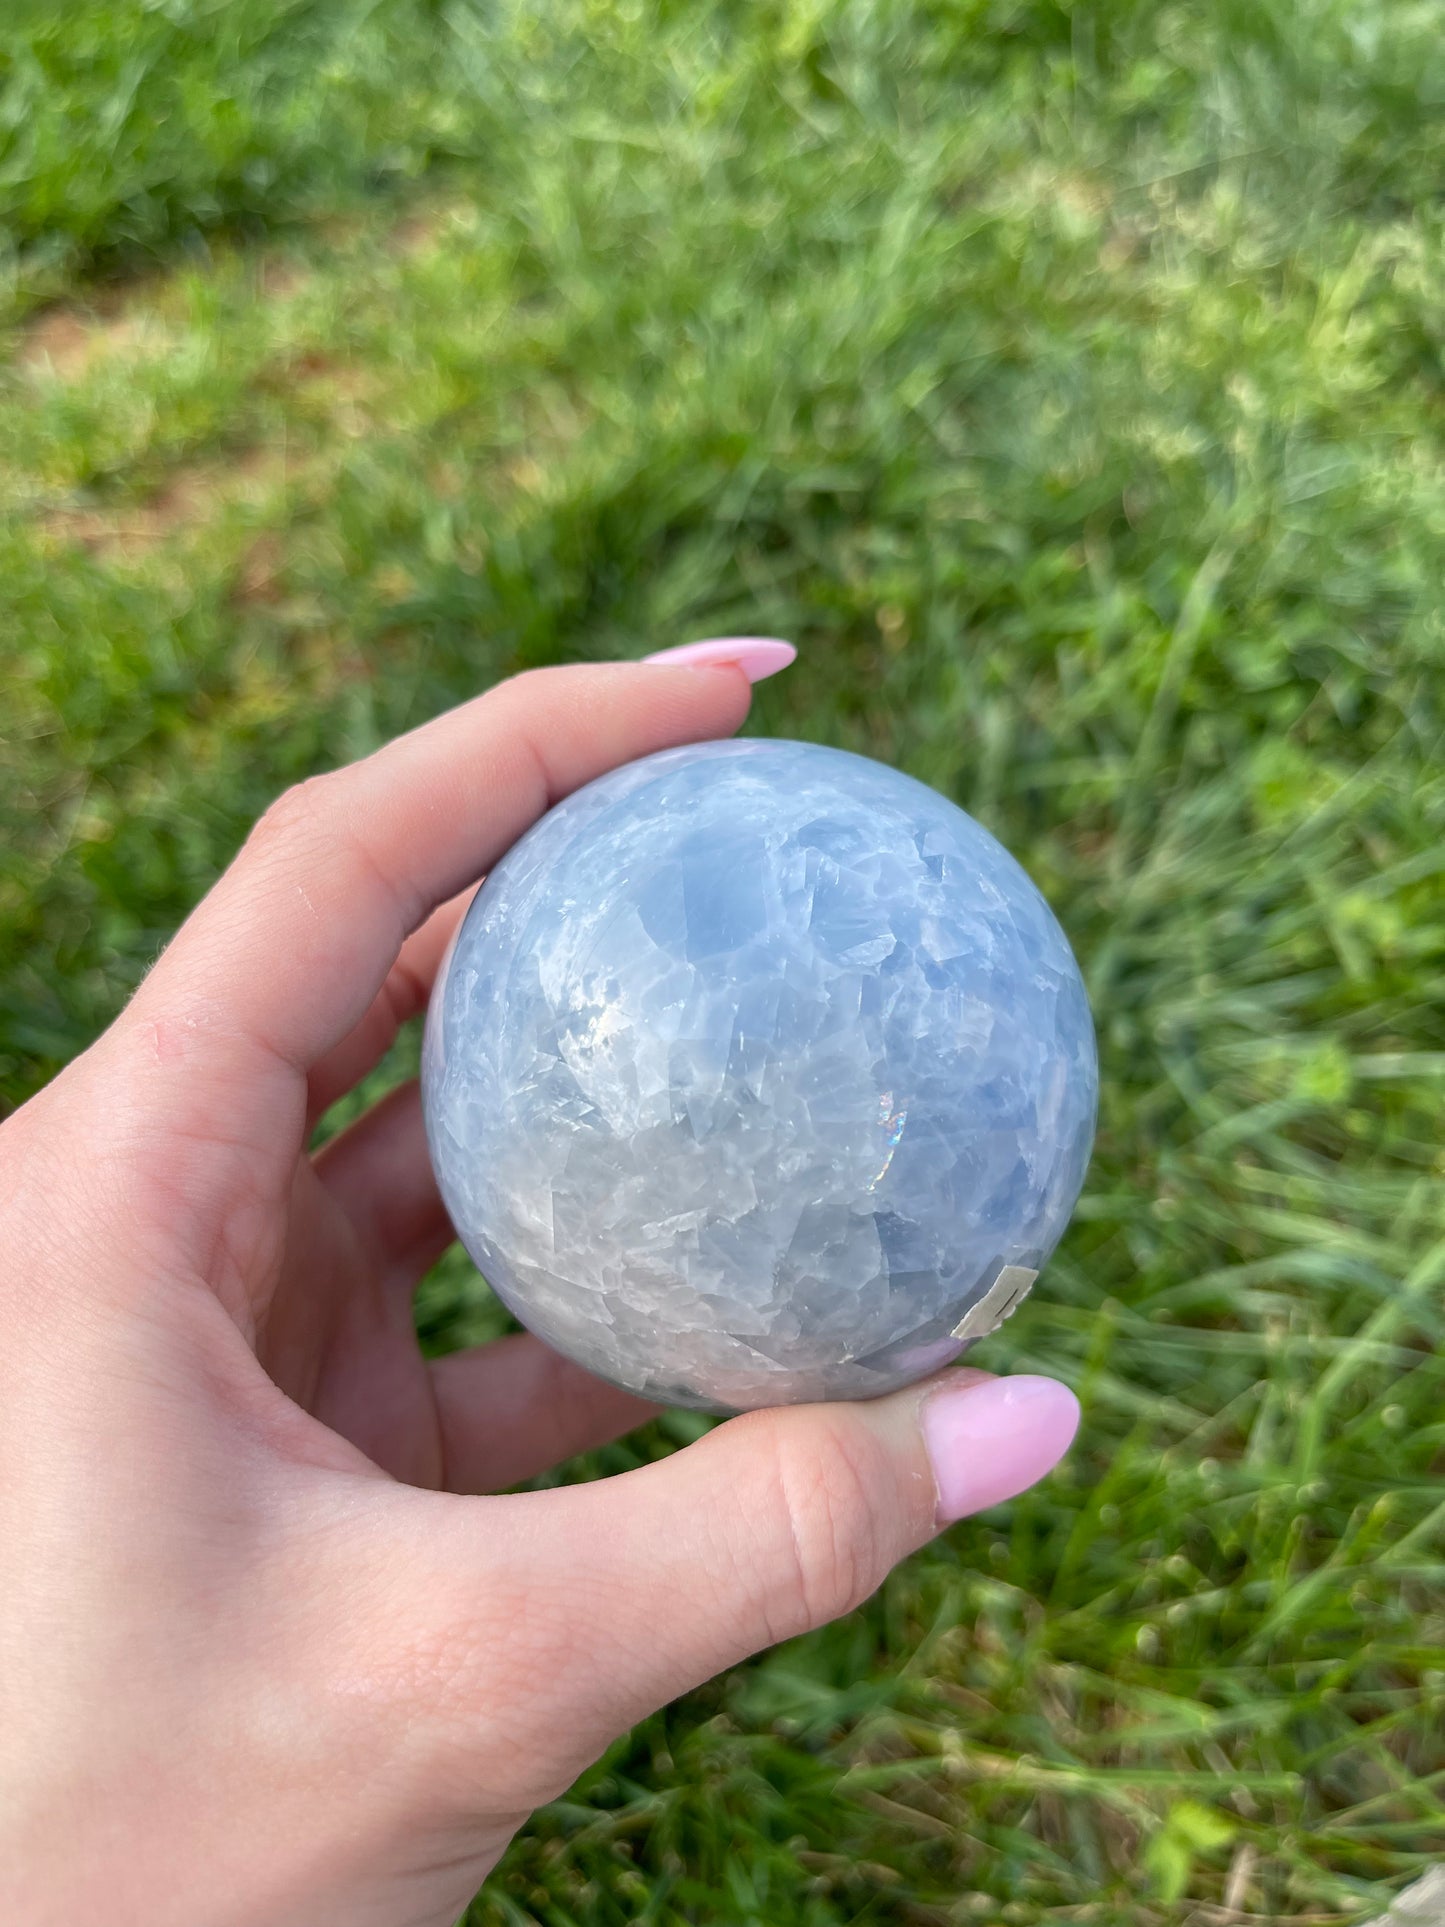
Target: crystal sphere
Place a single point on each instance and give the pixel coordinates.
(759, 1072)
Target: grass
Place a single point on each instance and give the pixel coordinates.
(1067, 381)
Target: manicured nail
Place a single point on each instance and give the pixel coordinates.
(989, 1442)
(756, 656)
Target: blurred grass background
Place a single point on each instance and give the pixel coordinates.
(1067, 381)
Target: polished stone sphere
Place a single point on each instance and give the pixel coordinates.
(757, 1073)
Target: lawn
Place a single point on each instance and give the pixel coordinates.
(1069, 383)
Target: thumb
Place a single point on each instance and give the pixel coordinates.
(775, 1523)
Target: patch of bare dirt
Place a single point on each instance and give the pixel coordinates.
(279, 276)
(59, 342)
(424, 226)
(188, 500)
(65, 343)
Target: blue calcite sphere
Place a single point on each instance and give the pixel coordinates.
(759, 1072)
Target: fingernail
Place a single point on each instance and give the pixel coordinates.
(756, 656)
(989, 1442)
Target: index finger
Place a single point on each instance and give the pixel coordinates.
(287, 953)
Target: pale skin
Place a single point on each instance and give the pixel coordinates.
(276, 1646)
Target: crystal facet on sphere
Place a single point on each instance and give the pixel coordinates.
(759, 1072)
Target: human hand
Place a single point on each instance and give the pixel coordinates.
(265, 1657)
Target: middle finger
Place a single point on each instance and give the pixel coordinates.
(404, 994)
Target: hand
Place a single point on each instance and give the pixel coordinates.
(260, 1660)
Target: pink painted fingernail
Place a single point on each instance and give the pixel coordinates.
(756, 656)
(988, 1442)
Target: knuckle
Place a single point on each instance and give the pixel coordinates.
(292, 818)
(526, 684)
(828, 1501)
(529, 686)
(514, 707)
